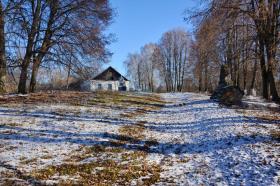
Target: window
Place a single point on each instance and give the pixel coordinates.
(99, 86)
(110, 87)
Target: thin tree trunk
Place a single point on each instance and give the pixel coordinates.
(68, 76)
(205, 77)
(253, 78)
(200, 80)
(238, 73)
(139, 76)
(245, 74)
(3, 68)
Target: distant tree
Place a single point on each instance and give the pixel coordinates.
(148, 66)
(134, 71)
(163, 62)
(174, 46)
(141, 68)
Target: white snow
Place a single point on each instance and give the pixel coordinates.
(199, 142)
(219, 145)
(259, 102)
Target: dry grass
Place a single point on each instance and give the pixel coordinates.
(111, 164)
(261, 114)
(106, 99)
(267, 117)
(51, 97)
(107, 172)
(275, 134)
(127, 100)
(130, 165)
(29, 161)
(132, 132)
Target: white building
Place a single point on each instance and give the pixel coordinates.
(108, 80)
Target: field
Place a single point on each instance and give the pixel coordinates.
(66, 138)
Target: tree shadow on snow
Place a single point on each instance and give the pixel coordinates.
(92, 138)
(224, 149)
(63, 117)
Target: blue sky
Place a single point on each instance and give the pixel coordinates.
(139, 22)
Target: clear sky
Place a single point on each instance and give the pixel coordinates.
(139, 22)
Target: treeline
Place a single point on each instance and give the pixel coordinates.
(244, 36)
(240, 35)
(51, 34)
(161, 66)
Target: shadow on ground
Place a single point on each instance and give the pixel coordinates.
(224, 150)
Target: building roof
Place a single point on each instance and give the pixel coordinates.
(110, 74)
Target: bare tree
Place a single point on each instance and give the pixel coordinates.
(133, 68)
(2, 49)
(43, 26)
(174, 46)
(5, 8)
(164, 62)
(85, 37)
(247, 34)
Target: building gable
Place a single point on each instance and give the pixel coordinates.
(110, 74)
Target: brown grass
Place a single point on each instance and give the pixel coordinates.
(275, 134)
(48, 97)
(114, 165)
(108, 171)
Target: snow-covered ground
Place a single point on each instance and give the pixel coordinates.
(197, 141)
(202, 143)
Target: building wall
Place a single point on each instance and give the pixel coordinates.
(127, 85)
(94, 85)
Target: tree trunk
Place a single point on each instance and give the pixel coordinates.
(264, 71)
(68, 76)
(272, 85)
(205, 76)
(139, 76)
(238, 73)
(270, 76)
(245, 75)
(3, 71)
(33, 81)
(223, 75)
(22, 80)
(271, 57)
(253, 78)
(29, 49)
(200, 80)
